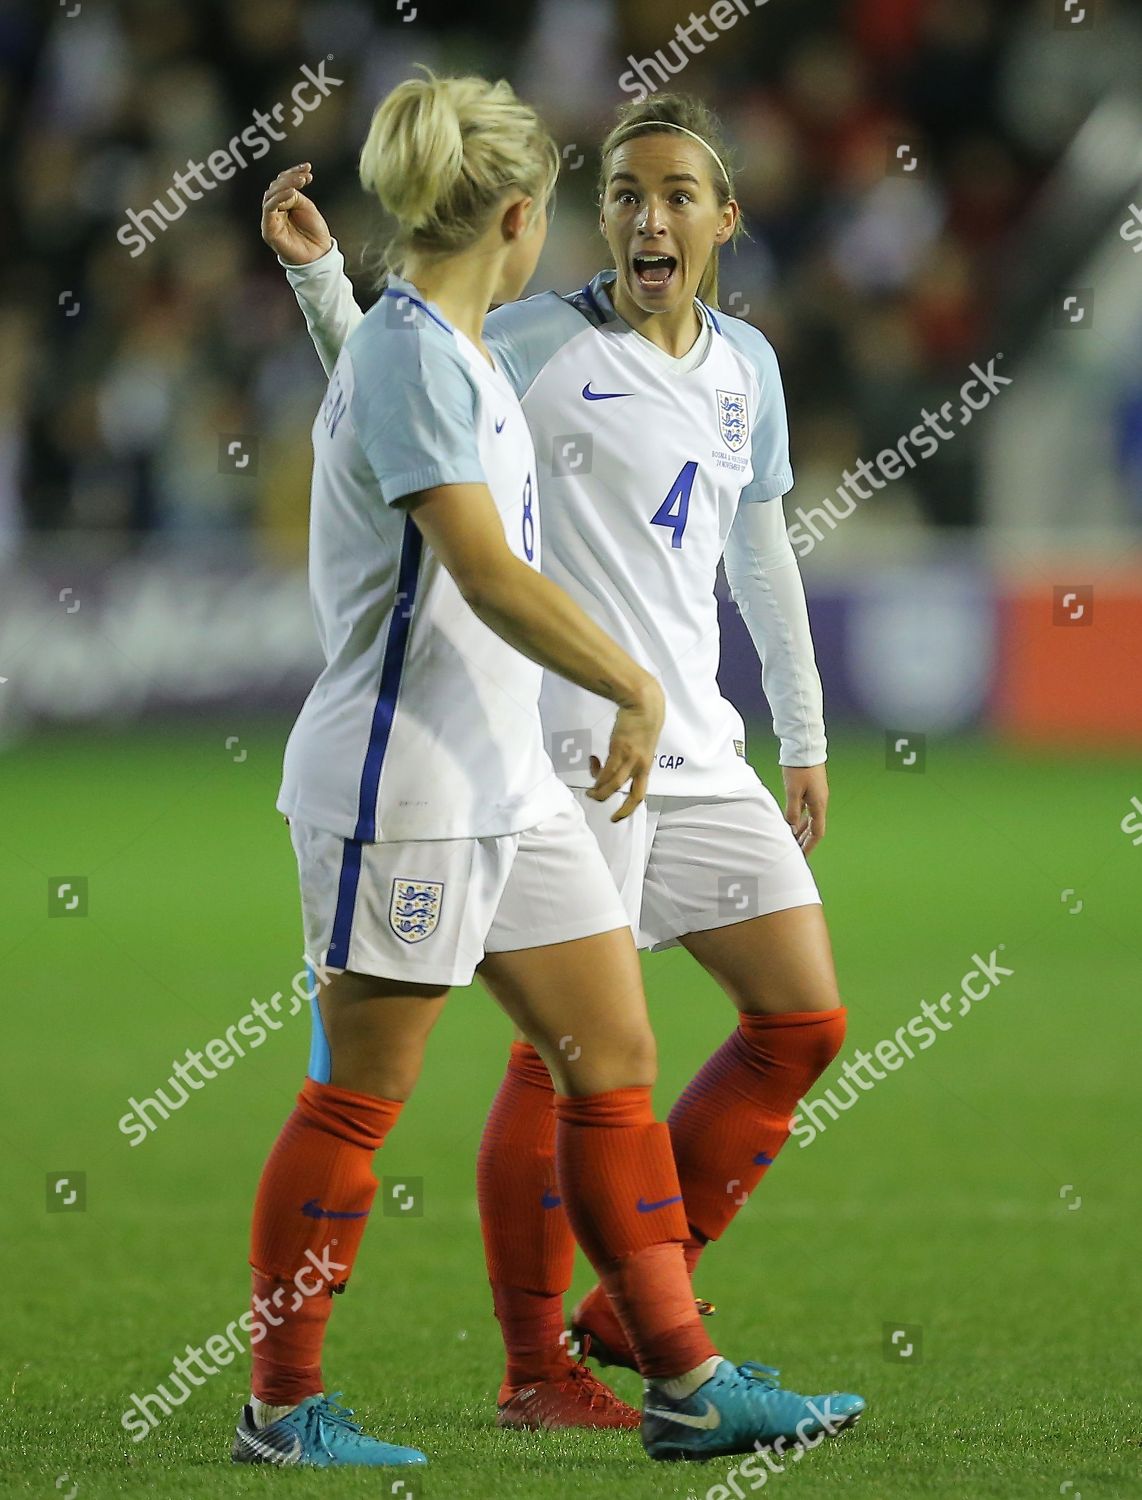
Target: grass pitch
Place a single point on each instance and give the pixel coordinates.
(982, 1201)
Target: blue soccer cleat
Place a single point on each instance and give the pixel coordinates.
(319, 1435)
(739, 1410)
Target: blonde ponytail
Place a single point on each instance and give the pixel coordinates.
(442, 152)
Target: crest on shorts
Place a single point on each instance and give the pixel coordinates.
(733, 419)
(414, 910)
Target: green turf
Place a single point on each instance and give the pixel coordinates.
(940, 1200)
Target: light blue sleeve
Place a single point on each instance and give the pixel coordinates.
(413, 405)
(524, 336)
(772, 471)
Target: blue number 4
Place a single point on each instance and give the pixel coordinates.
(675, 509)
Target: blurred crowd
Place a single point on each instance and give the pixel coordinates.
(128, 377)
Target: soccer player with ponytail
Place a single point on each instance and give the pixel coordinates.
(659, 430)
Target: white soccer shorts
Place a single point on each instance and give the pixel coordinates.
(428, 910)
(692, 864)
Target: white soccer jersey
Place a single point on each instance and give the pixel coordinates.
(424, 724)
(644, 461)
(643, 464)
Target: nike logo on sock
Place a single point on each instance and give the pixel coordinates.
(550, 1199)
(707, 1422)
(762, 1160)
(500, 424)
(648, 1208)
(313, 1210)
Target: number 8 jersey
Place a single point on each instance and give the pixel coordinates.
(424, 724)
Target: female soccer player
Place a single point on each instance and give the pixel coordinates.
(686, 404)
(431, 833)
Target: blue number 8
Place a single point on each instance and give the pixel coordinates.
(528, 523)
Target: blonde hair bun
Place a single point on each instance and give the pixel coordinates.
(442, 152)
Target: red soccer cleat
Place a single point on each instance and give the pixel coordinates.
(597, 1330)
(576, 1399)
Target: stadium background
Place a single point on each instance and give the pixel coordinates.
(983, 613)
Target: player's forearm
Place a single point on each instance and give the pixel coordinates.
(779, 627)
(325, 295)
(536, 617)
(766, 585)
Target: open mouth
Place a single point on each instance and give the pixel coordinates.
(654, 272)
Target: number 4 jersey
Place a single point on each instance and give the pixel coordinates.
(643, 462)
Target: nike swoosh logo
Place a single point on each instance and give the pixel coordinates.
(762, 1160)
(590, 395)
(500, 424)
(314, 1210)
(710, 1419)
(648, 1208)
(550, 1200)
(275, 1452)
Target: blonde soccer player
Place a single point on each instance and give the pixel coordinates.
(679, 454)
(432, 835)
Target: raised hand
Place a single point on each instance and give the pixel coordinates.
(291, 224)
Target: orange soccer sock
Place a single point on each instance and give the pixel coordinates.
(310, 1213)
(618, 1180)
(528, 1243)
(733, 1118)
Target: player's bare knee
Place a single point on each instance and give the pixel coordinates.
(380, 1078)
(837, 1029)
(628, 1060)
(817, 996)
(807, 983)
(640, 1059)
(785, 1000)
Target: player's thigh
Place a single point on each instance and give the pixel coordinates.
(727, 880)
(581, 1005)
(771, 965)
(561, 962)
(376, 1031)
(623, 846)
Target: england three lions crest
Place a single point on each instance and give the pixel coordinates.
(414, 910)
(733, 419)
